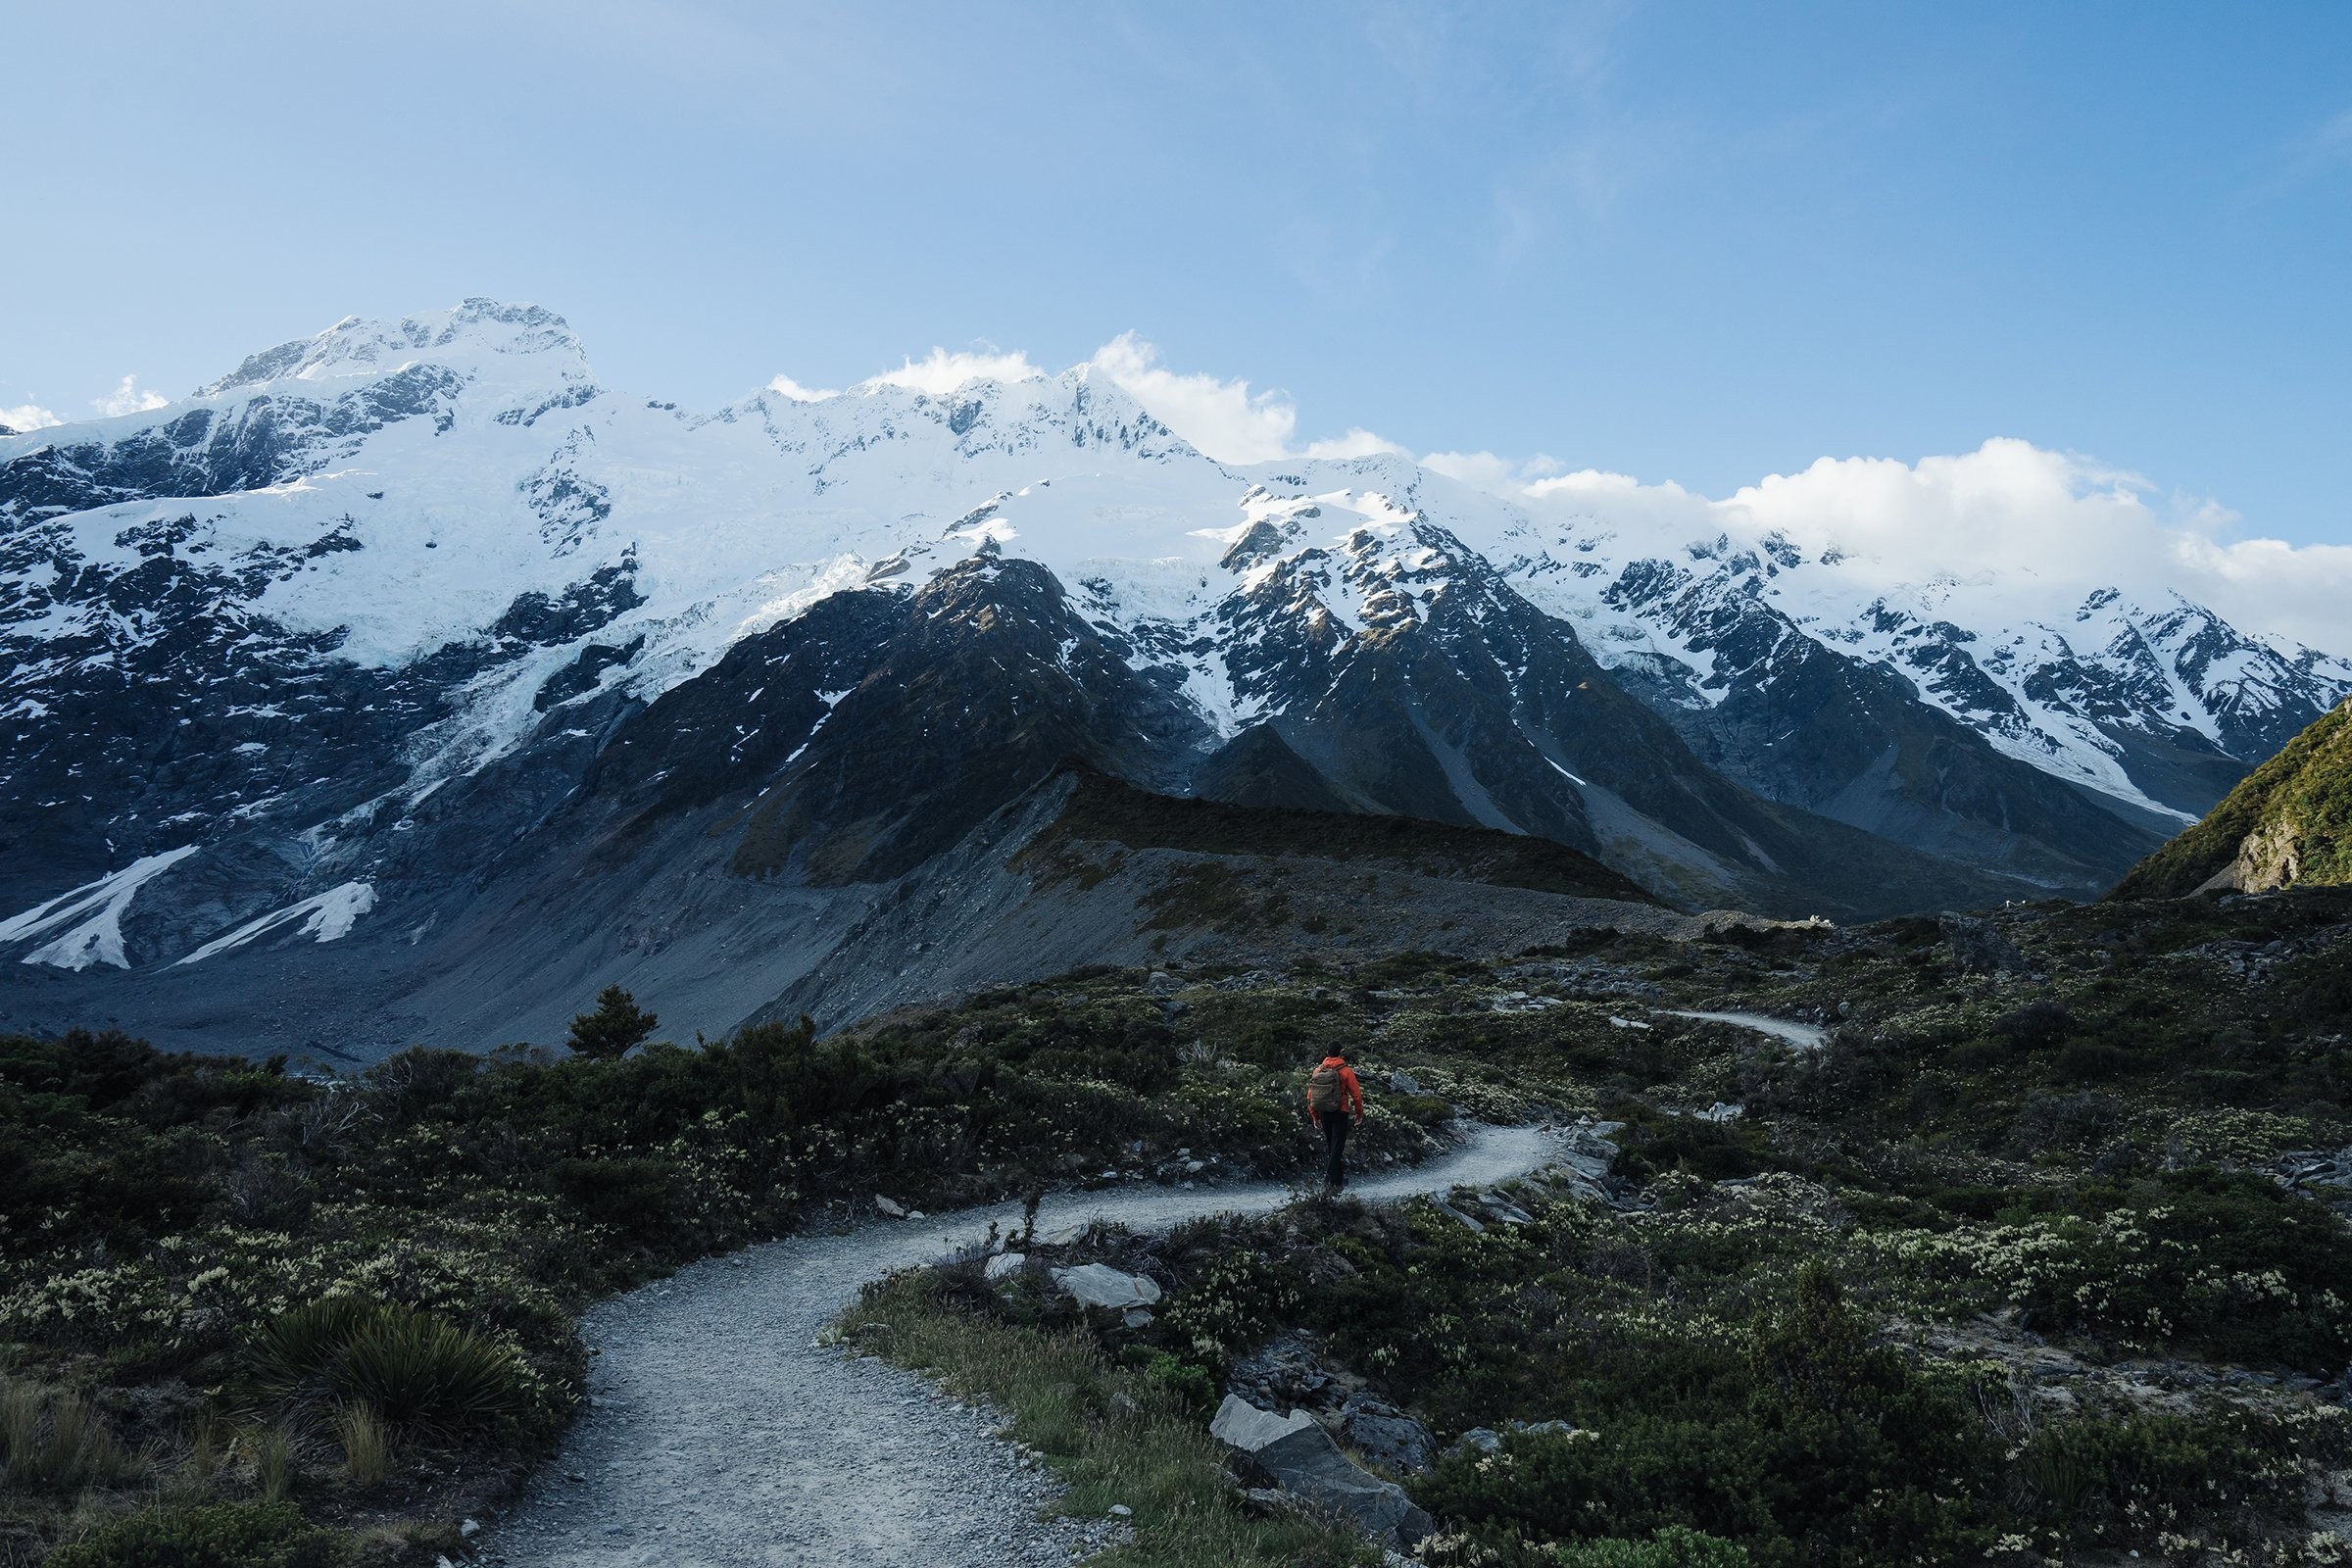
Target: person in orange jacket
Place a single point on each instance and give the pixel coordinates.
(1335, 1103)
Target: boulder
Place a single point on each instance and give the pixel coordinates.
(1245, 1429)
(1002, 1264)
(1386, 1435)
(889, 1208)
(1309, 1466)
(1101, 1285)
(1403, 1083)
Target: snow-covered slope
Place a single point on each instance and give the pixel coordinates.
(281, 619)
(2098, 687)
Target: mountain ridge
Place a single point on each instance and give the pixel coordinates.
(385, 608)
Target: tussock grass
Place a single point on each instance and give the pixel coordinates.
(1111, 1435)
(367, 1445)
(275, 1463)
(407, 1367)
(57, 1440)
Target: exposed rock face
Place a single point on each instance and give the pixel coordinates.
(2288, 825)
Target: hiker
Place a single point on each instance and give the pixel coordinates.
(1335, 1103)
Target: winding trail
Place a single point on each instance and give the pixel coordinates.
(721, 1433)
(1807, 1035)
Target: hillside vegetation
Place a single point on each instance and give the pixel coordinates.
(2014, 1257)
(2288, 823)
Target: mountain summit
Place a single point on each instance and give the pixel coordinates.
(409, 650)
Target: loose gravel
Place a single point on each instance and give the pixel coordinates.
(721, 1431)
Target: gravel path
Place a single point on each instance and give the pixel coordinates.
(721, 1433)
(1808, 1034)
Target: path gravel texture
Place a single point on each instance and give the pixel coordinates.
(721, 1431)
(1808, 1034)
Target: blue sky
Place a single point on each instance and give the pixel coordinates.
(1692, 242)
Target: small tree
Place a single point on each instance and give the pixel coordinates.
(616, 1024)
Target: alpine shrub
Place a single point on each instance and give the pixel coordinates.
(229, 1535)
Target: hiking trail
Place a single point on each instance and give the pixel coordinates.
(721, 1433)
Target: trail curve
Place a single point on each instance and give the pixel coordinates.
(721, 1434)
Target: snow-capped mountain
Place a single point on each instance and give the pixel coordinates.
(330, 650)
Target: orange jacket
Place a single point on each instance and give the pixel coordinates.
(1352, 1092)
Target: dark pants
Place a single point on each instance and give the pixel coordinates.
(1335, 1147)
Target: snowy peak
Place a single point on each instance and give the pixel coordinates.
(371, 565)
(523, 341)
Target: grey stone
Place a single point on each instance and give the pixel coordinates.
(1502, 1208)
(1286, 1370)
(1245, 1429)
(889, 1208)
(1309, 1466)
(1477, 1227)
(1101, 1285)
(1403, 1083)
(1485, 1440)
(1386, 1435)
(1002, 1264)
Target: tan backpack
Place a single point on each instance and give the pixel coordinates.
(1325, 1089)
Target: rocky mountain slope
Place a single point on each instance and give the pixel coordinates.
(408, 668)
(2288, 825)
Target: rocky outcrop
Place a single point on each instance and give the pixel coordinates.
(2289, 824)
(1295, 1454)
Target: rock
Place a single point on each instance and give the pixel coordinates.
(1386, 1435)
(467, 1528)
(1979, 948)
(1503, 1208)
(1245, 1429)
(1160, 983)
(1309, 1466)
(1004, 1264)
(889, 1209)
(1137, 1317)
(1477, 1228)
(1485, 1440)
(1403, 1083)
(1286, 1370)
(1101, 1285)
(1119, 1511)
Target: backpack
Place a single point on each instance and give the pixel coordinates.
(1325, 1090)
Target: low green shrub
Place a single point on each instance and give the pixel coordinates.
(1671, 1548)
(229, 1535)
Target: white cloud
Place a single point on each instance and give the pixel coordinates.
(128, 398)
(942, 373)
(1358, 442)
(792, 390)
(1223, 419)
(28, 416)
(1483, 470)
(2008, 513)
